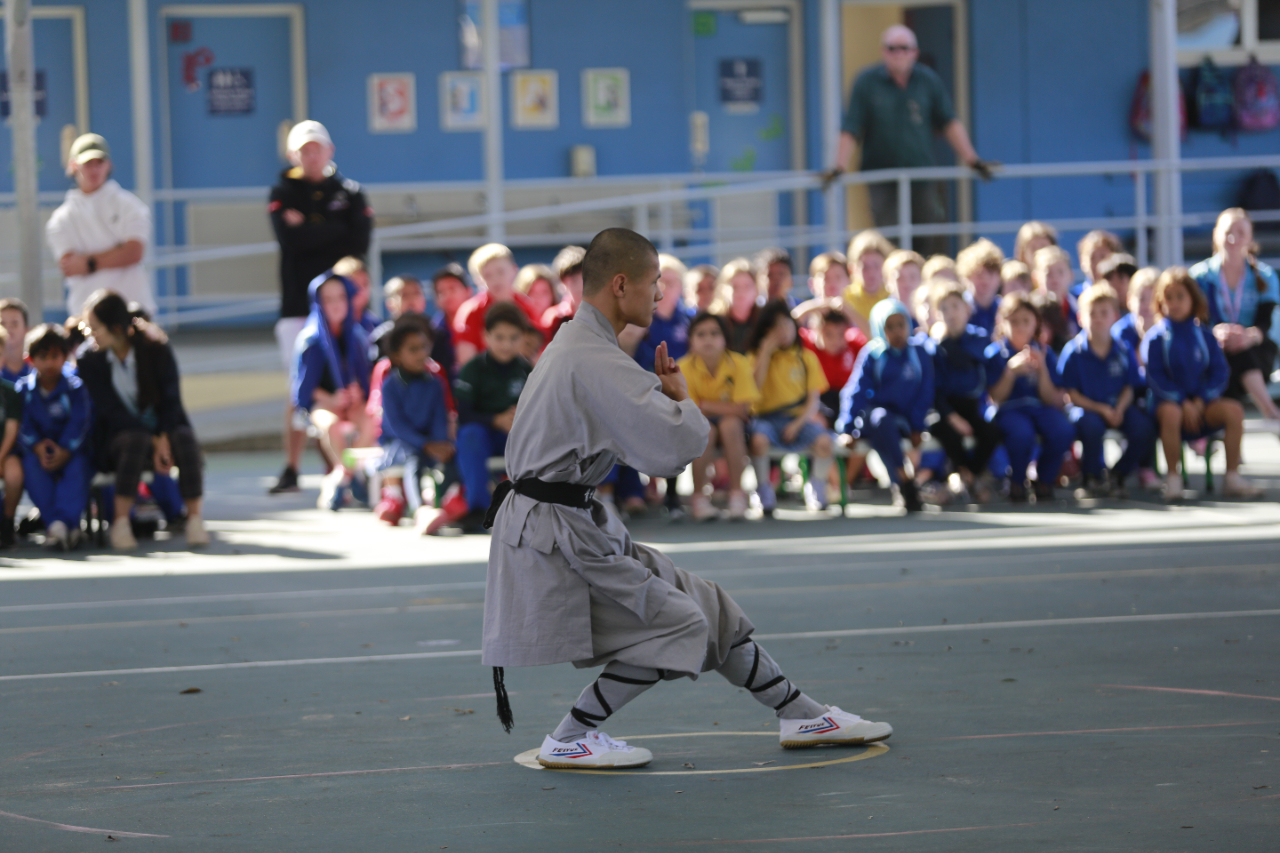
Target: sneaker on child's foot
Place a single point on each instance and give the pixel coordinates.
(959, 491)
(1044, 492)
(390, 509)
(7, 537)
(288, 482)
(835, 726)
(1235, 486)
(1116, 487)
(196, 533)
(934, 493)
(907, 495)
(984, 488)
(1149, 480)
(1017, 493)
(737, 505)
(595, 749)
(768, 500)
(55, 537)
(700, 509)
(1173, 488)
(122, 538)
(815, 496)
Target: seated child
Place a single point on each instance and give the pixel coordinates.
(940, 266)
(400, 295)
(960, 383)
(722, 385)
(1015, 277)
(1100, 373)
(902, 275)
(353, 270)
(1052, 275)
(867, 253)
(979, 265)
(1133, 324)
(56, 416)
(415, 416)
(331, 380)
(13, 319)
(11, 419)
(835, 342)
(1020, 384)
(1187, 373)
(487, 390)
(889, 395)
(791, 383)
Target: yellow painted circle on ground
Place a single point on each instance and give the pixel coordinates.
(529, 758)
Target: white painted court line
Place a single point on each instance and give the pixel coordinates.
(856, 632)
(1028, 623)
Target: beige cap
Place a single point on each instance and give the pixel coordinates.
(88, 146)
(307, 131)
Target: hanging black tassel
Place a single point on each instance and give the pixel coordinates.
(504, 705)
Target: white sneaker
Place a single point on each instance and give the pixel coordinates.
(1173, 488)
(55, 537)
(122, 536)
(737, 505)
(815, 496)
(768, 500)
(700, 509)
(196, 533)
(594, 749)
(1235, 486)
(835, 726)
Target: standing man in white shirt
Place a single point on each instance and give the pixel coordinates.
(99, 234)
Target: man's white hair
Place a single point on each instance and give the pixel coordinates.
(898, 30)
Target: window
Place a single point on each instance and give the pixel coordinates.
(1228, 31)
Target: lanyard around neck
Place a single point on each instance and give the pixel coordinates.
(1231, 304)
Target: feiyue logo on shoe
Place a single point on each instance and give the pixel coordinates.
(578, 750)
(826, 724)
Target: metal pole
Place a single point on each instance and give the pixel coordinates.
(494, 200)
(904, 212)
(140, 91)
(1140, 216)
(833, 210)
(665, 225)
(20, 57)
(1166, 142)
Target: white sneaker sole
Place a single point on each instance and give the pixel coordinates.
(620, 764)
(874, 736)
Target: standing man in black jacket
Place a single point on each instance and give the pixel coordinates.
(319, 217)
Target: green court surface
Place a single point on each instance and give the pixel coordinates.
(1098, 677)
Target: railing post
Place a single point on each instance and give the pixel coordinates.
(1141, 238)
(640, 219)
(374, 267)
(666, 226)
(904, 212)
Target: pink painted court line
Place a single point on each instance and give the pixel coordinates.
(66, 827)
(1106, 731)
(1194, 692)
(838, 837)
(301, 776)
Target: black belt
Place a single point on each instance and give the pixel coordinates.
(564, 494)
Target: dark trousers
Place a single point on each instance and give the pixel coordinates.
(130, 452)
(986, 436)
(1140, 438)
(926, 208)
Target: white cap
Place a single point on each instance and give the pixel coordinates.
(307, 131)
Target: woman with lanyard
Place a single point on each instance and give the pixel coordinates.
(139, 420)
(1242, 293)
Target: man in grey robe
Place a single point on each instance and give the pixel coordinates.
(565, 581)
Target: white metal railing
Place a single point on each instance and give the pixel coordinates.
(675, 191)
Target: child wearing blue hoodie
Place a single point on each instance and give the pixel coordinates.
(331, 378)
(1020, 383)
(56, 416)
(889, 394)
(1187, 375)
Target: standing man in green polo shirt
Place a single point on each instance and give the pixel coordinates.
(896, 108)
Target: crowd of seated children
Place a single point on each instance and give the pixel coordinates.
(723, 385)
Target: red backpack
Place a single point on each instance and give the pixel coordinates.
(1140, 110)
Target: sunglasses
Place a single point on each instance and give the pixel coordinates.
(899, 48)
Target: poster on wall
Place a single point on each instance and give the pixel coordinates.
(513, 34)
(393, 103)
(606, 97)
(535, 102)
(231, 91)
(461, 100)
(741, 85)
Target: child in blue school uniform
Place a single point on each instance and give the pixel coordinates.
(889, 395)
(56, 415)
(1100, 373)
(1020, 383)
(1188, 375)
(415, 415)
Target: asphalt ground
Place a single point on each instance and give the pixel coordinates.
(1069, 677)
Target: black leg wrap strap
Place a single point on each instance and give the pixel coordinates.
(741, 642)
(793, 697)
(755, 664)
(623, 679)
(585, 718)
(608, 712)
(772, 683)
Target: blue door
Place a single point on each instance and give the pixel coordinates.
(229, 89)
(741, 80)
(51, 40)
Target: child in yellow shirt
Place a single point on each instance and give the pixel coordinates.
(722, 384)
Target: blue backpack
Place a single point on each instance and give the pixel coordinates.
(1214, 98)
(1257, 97)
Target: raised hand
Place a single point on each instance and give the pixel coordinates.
(673, 382)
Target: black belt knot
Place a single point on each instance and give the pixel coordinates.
(564, 494)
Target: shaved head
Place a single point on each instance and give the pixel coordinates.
(898, 34)
(613, 252)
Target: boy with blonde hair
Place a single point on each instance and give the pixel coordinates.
(903, 272)
(940, 266)
(979, 265)
(1015, 277)
(493, 269)
(867, 253)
